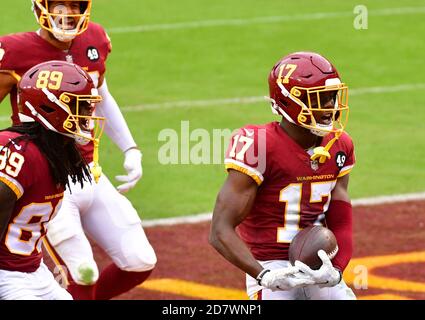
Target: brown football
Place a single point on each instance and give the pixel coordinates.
(308, 242)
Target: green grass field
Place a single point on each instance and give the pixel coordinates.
(227, 58)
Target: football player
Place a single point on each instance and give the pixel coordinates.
(37, 157)
(99, 209)
(284, 176)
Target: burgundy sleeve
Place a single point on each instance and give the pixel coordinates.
(244, 153)
(17, 167)
(350, 156)
(106, 43)
(339, 219)
(7, 56)
(16, 55)
(98, 36)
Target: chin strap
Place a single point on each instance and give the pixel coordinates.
(96, 170)
(322, 153)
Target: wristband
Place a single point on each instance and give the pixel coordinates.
(261, 275)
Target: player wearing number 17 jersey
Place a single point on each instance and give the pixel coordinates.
(37, 157)
(286, 176)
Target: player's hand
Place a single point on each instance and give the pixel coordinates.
(326, 276)
(133, 166)
(285, 279)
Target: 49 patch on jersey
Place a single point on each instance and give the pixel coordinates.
(93, 54)
(340, 159)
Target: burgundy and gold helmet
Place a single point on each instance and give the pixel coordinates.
(62, 22)
(62, 97)
(301, 84)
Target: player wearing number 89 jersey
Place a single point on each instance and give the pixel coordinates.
(26, 172)
(286, 176)
(66, 33)
(37, 157)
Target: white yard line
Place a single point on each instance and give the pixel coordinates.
(252, 100)
(193, 104)
(203, 217)
(262, 20)
(196, 218)
(388, 199)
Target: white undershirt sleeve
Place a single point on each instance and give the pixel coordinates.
(116, 127)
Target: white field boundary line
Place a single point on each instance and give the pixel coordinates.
(252, 100)
(262, 20)
(204, 217)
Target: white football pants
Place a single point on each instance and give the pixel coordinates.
(37, 285)
(107, 217)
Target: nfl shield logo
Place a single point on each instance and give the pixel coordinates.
(314, 164)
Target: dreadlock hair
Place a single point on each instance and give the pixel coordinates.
(62, 154)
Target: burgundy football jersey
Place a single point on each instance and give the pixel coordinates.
(26, 171)
(22, 51)
(293, 191)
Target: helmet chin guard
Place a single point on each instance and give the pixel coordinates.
(323, 131)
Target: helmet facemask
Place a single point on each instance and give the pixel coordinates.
(324, 109)
(83, 125)
(64, 23)
(81, 122)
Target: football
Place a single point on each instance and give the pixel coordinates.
(308, 242)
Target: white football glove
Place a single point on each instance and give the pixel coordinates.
(284, 279)
(133, 166)
(326, 276)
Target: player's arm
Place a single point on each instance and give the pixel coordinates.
(7, 203)
(340, 192)
(7, 81)
(339, 220)
(233, 204)
(117, 130)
